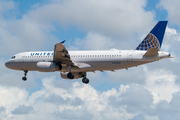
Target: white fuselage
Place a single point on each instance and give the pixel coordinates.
(86, 60)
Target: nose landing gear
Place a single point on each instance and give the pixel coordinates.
(25, 73)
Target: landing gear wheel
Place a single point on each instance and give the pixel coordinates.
(85, 80)
(24, 78)
(70, 75)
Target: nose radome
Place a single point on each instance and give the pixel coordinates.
(7, 64)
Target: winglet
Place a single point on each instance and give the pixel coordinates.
(63, 41)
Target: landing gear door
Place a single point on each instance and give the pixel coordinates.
(130, 56)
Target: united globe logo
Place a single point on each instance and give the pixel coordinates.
(150, 41)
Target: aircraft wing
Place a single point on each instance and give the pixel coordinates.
(61, 54)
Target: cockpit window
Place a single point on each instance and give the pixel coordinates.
(13, 57)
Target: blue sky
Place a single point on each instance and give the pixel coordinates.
(145, 92)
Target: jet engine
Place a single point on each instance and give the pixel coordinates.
(76, 75)
(47, 66)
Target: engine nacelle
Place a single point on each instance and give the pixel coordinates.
(46, 66)
(76, 75)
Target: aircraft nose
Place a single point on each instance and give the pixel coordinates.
(7, 64)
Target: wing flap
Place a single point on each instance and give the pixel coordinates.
(151, 52)
(84, 66)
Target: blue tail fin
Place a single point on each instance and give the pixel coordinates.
(154, 38)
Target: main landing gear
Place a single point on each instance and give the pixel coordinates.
(85, 80)
(70, 75)
(25, 73)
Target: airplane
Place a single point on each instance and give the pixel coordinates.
(75, 64)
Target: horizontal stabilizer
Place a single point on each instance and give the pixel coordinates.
(151, 52)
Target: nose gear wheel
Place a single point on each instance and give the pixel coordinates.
(25, 74)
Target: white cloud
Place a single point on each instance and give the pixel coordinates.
(83, 101)
(19, 35)
(161, 83)
(22, 109)
(110, 18)
(172, 7)
(129, 76)
(95, 41)
(6, 6)
(171, 43)
(55, 103)
(106, 17)
(11, 97)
